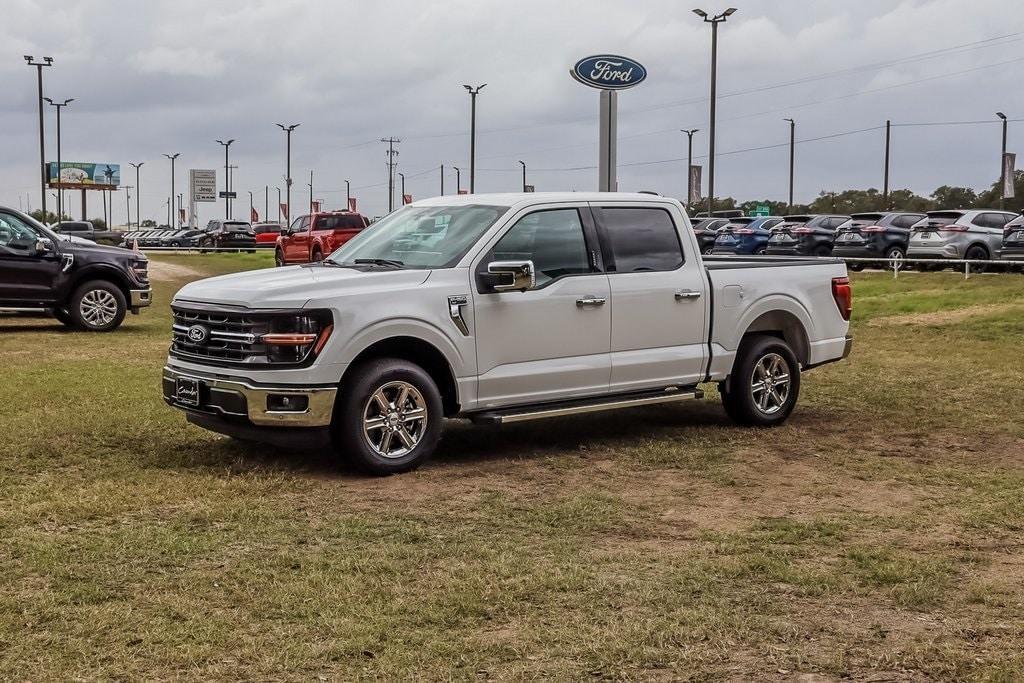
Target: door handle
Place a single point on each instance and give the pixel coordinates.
(683, 294)
(590, 301)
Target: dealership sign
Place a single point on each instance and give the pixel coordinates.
(609, 72)
(204, 184)
(74, 175)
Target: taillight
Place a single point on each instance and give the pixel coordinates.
(873, 228)
(953, 227)
(843, 294)
(743, 231)
(803, 231)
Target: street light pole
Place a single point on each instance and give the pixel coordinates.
(348, 195)
(252, 207)
(523, 163)
(392, 153)
(458, 180)
(60, 192)
(227, 183)
(1002, 164)
(792, 158)
(473, 92)
(138, 192)
(885, 180)
(288, 165)
(402, 176)
(172, 157)
(714, 21)
(47, 61)
(311, 192)
(128, 205)
(442, 180)
(689, 163)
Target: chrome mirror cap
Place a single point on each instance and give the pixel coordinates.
(516, 275)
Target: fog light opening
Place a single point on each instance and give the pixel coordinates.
(287, 403)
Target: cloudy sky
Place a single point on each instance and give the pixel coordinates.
(166, 76)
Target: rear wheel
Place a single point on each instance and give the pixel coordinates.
(98, 306)
(896, 259)
(389, 418)
(976, 252)
(822, 251)
(855, 267)
(765, 383)
(759, 252)
(318, 256)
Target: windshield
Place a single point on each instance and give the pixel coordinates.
(421, 236)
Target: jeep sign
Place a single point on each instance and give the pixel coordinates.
(204, 185)
(609, 72)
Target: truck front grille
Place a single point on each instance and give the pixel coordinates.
(203, 336)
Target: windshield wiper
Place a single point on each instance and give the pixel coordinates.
(390, 263)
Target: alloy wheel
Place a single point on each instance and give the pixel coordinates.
(394, 419)
(98, 308)
(770, 383)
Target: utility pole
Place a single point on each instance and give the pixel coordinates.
(1002, 164)
(227, 181)
(348, 195)
(885, 184)
(172, 157)
(458, 180)
(792, 158)
(138, 192)
(523, 163)
(714, 21)
(689, 164)
(60, 192)
(311, 192)
(392, 153)
(442, 180)
(288, 167)
(402, 176)
(47, 61)
(473, 92)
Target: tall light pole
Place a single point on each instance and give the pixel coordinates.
(792, 158)
(442, 180)
(1002, 164)
(311, 192)
(523, 164)
(278, 204)
(288, 167)
(60, 192)
(885, 179)
(47, 61)
(348, 195)
(473, 92)
(689, 164)
(266, 203)
(227, 183)
(172, 157)
(458, 179)
(138, 192)
(402, 177)
(714, 21)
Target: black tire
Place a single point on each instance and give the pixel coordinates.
(976, 252)
(822, 251)
(760, 252)
(855, 267)
(738, 399)
(318, 256)
(63, 317)
(389, 375)
(98, 306)
(895, 253)
(278, 258)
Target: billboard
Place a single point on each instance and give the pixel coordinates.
(76, 175)
(203, 184)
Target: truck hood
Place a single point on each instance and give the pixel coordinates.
(294, 286)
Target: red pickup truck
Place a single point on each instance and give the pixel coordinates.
(314, 237)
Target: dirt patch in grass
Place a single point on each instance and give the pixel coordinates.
(162, 270)
(943, 317)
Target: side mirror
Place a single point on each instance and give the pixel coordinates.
(44, 246)
(509, 276)
(285, 232)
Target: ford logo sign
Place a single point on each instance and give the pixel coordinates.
(197, 334)
(609, 72)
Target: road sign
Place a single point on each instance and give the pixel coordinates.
(204, 184)
(228, 195)
(529, 188)
(761, 210)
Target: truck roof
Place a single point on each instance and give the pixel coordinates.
(512, 199)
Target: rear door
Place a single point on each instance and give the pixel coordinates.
(659, 306)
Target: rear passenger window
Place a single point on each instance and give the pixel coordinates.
(641, 239)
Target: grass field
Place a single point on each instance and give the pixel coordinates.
(878, 535)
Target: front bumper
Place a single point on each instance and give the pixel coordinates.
(247, 402)
(140, 298)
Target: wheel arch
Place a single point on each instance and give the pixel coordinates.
(422, 353)
(99, 272)
(784, 325)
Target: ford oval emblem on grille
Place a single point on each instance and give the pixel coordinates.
(197, 334)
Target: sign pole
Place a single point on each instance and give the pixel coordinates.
(606, 179)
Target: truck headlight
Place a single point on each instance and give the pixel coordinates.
(294, 337)
(140, 269)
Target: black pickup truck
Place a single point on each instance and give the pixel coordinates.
(88, 231)
(84, 285)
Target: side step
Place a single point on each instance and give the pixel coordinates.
(592, 405)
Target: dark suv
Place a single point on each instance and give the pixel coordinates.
(82, 284)
(222, 234)
(1013, 240)
(706, 229)
(805, 235)
(885, 234)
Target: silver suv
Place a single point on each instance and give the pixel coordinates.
(975, 234)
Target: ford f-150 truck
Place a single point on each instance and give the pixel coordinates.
(498, 308)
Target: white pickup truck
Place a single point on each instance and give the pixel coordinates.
(498, 308)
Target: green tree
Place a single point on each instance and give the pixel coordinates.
(98, 223)
(952, 197)
(49, 219)
(148, 223)
(989, 199)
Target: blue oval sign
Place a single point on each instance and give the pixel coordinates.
(609, 72)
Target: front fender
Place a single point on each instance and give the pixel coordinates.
(458, 359)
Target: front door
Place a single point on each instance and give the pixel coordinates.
(297, 244)
(27, 278)
(659, 300)
(550, 342)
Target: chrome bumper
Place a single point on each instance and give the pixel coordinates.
(140, 298)
(239, 399)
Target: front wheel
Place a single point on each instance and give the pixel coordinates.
(388, 419)
(765, 383)
(98, 306)
(896, 259)
(278, 258)
(977, 253)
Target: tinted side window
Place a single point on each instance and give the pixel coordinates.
(905, 221)
(641, 239)
(553, 240)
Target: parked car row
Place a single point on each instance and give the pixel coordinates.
(218, 233)
(972, 234)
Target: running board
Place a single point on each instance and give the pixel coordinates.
(615, 402)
